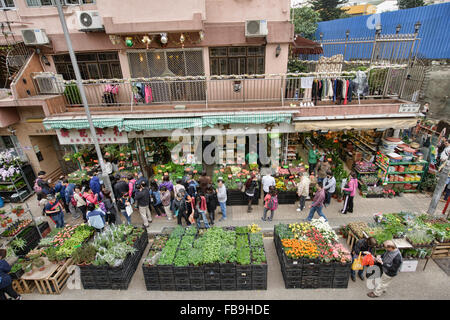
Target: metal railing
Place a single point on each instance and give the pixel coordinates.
(278, 88)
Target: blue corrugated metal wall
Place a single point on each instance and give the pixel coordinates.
(434, 32)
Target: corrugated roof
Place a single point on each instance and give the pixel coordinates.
(434, 32)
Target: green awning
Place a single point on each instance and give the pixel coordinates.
(161, 124)
(247, 119)
(82, 123)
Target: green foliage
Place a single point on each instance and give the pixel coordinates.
(305, 21)
(258, 256)
(256, 240)
(227, 254)
(85, 254)
(295, 66)
(18, 244)
(328, 9)
(186, 242)
(407, 4)
(181, 259)
(429, 182)
(177, 232)
(241, 230)
(195, 257)
(243, 256)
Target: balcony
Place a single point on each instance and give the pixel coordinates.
(202, 94)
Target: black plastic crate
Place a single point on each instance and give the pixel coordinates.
(259, 268)
(227, 276)
(228, 287)
(198, 287)
(181, 270)
(227, 267)
(326, 283)
(340, 285)
(326, 267)
(165, 269)
(244, 281)
(197, 282)
(167, 287)
(259, 286)
(259, 279)
(212, 286)
(182, 287)
(197, 276)
(340, 267)
(182, 281)
(150, 270)
(243, 269)
(153, 287)
(120, 286)
(310, 273)
(244, 286)
(228, 281)
(292, 273)
(214, 267)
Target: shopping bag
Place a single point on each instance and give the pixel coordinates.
(357, 263)
(191, 218)
(368, 260)
(129, 210)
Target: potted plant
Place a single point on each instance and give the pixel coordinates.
(19, 211)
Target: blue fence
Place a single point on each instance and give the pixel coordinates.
(434, 31)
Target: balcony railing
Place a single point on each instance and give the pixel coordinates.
(277, 90)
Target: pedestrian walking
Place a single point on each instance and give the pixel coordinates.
(250, 190)
(317, 204)
(211, 203)
(142, 198)
(303, 190)
(222, 198)
(156, 200)
(200, 211)
(329, 185)
(5, 280)
(53, 210)
(350, 193)
(180, 209)
(270, 203)
(165, 200)
(112, 216)
(390, 263)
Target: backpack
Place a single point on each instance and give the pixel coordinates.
(36, 187)
(273, 203)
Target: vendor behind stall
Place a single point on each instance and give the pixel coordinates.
(313, 155)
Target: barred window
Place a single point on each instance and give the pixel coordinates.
(93, 65)
(237, 60)
(41, 3)
(7, 4)
(166, 63)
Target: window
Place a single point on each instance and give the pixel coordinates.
(170, 62)
(93, 65)
(237, 60)
(41, 3)
(6, 4)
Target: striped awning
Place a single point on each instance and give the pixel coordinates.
(246, 119)
(161, 124)
(82, 123)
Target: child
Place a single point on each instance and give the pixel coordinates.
(270, 203)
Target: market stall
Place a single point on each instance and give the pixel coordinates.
(230, 258)
(311, 256)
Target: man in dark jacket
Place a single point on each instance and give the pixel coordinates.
(363, 246)
(211, 203)
(120, 187)
(390, 262)
(142, 198)
(141, 179)
(5, 279)
(44, 185)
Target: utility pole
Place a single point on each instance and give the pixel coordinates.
(105, 176)
(440, 186)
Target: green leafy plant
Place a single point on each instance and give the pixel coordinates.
(181, 258)
(256, 240)
(18, 244)
(258, 256)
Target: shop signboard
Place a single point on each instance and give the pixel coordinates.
(83, 136)
(409, 107)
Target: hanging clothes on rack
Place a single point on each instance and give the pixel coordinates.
(307, 83)
(350, 91)
(148, 94)
(138, 92)
(346, 91)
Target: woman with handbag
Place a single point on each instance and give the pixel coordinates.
(362, 247)
(350, 193)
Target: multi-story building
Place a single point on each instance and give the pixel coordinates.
(154, 66)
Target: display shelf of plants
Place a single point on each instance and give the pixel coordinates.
(311, 256)
(407, 174)
(56, 247)
(176, 171)
(191, 259)
(14, 183)
(421, 231)
(234, 178)
(110, 260)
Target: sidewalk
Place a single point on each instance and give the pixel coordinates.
(432, 283)
(364, 208)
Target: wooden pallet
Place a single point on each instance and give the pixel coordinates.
(441, 250)
(23, 286)
(52, 280)
(351, 239)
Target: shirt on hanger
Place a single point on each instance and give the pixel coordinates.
(306, 82)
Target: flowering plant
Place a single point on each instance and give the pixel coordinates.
(9, 164)
(325, 229)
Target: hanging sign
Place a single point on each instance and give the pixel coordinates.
(83, 136)
(409, 107)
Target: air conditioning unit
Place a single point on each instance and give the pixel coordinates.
(49, 83)
(256, 28)
(32, 37)
(89, 21)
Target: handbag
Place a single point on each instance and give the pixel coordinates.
(357, 263)
(129, 210)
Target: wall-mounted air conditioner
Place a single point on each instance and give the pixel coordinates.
(89, 21)
(49, 83)
(32, 37)
(256, 28)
